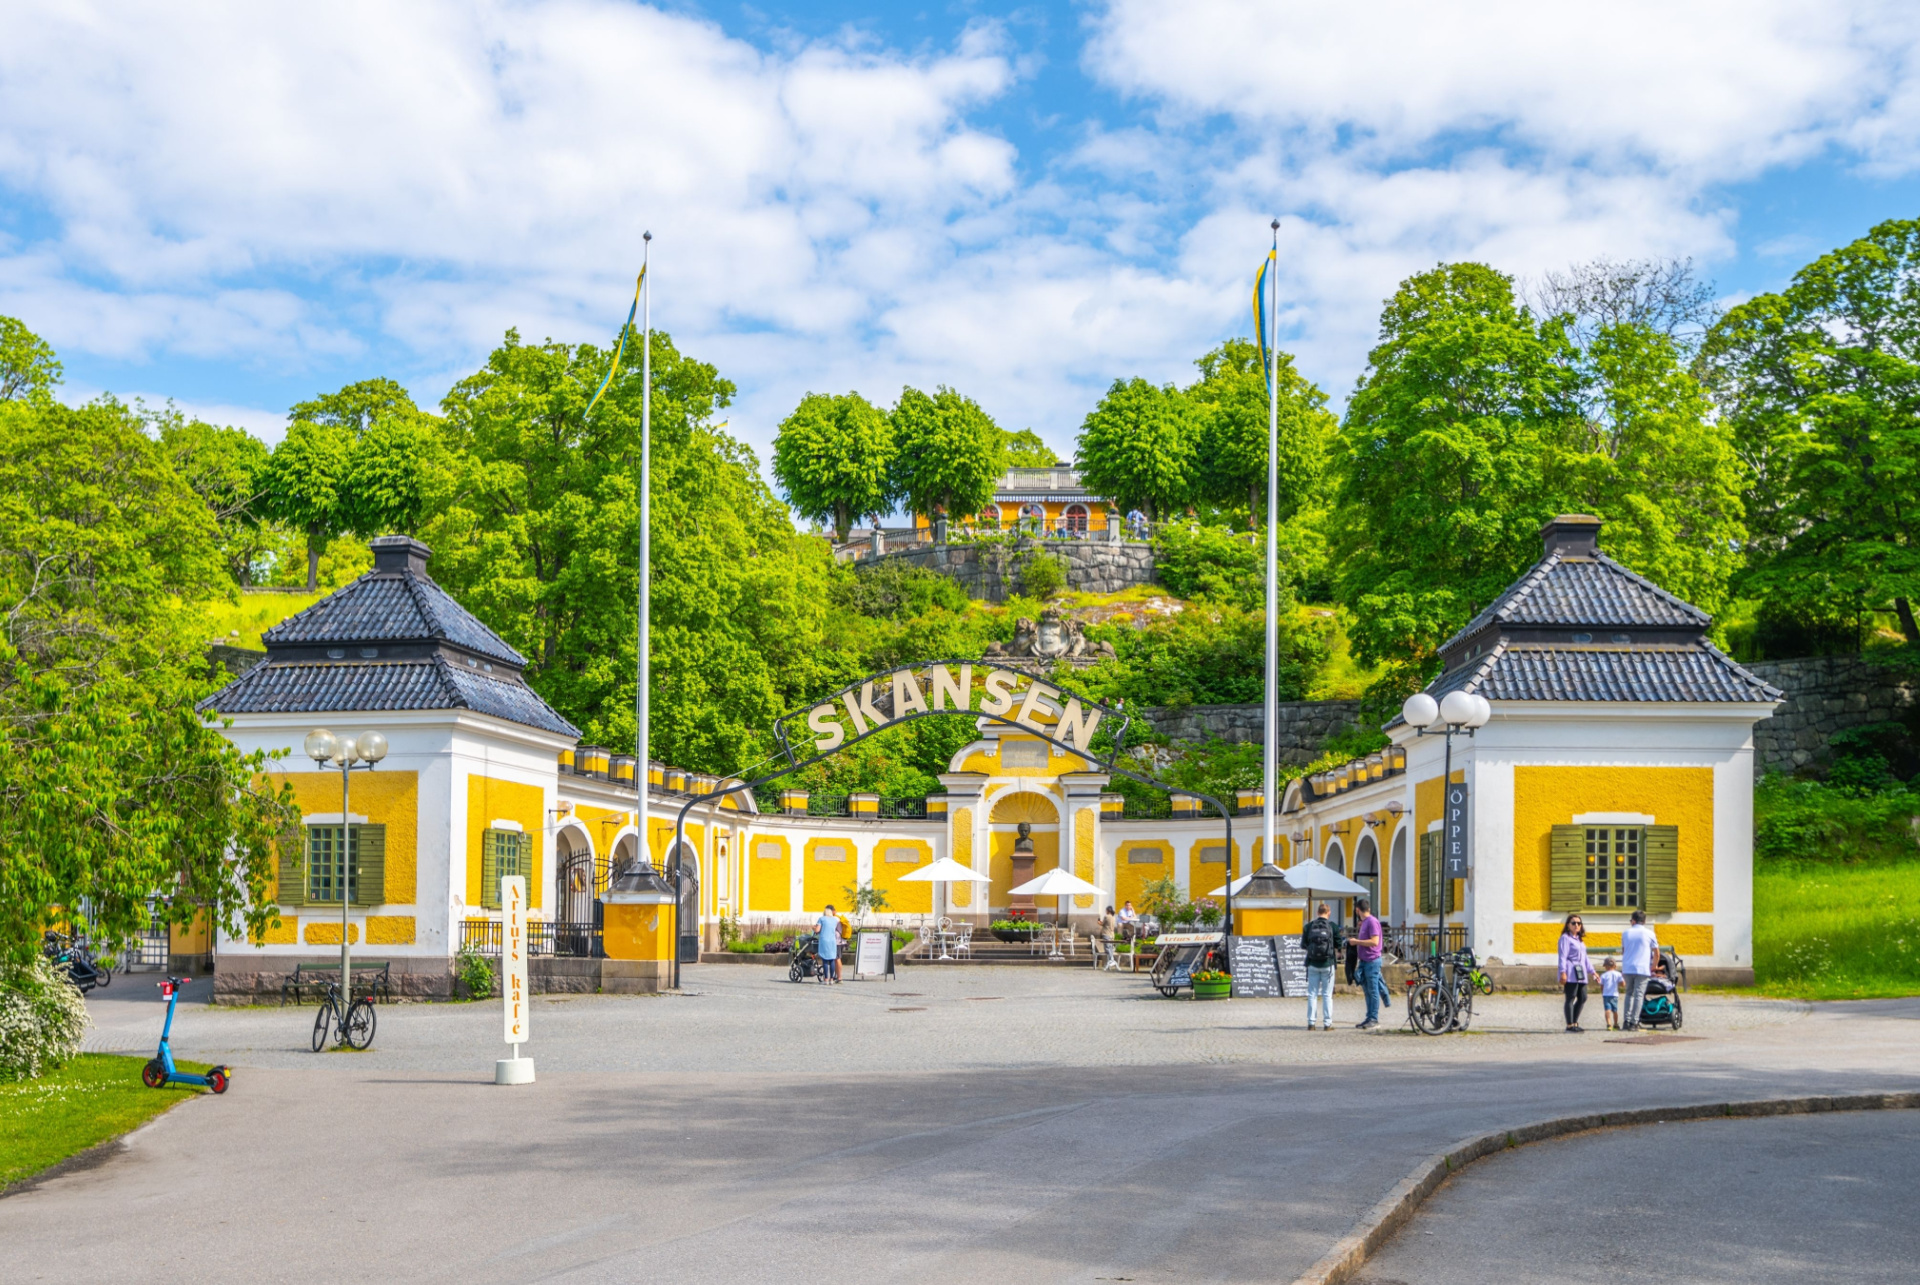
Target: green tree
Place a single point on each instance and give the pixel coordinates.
(539, 539)
(1448, 447)
(226, 468)
(1231, 397)
(1137, 447)
(397, 468)
(358, 406)
(1656, 465)
(1821, 383)
(948, 453)
(1024, 449)
(305, 486)
(832, 458)
(28, 367)
(115, 790)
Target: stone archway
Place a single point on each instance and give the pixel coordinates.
(1042, 817)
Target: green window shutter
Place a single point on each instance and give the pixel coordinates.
(1660, 870)
(490, 869)
(293, 865)
(525, 865)
(1430, 873)
(369, 865)
(1569, 883)
(1453, 889)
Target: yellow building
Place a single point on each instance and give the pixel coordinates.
(1616, 774)
(1042, 501)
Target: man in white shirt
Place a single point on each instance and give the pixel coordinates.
(1638, 946)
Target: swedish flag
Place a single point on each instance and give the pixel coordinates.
(621, 347)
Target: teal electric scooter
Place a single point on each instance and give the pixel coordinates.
(160, 1072)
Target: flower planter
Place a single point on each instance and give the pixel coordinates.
(1015, 936)
(1213, 990)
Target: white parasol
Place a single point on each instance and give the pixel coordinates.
(1061, 884)
(944, 871)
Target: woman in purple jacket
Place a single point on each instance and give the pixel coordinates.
(1573, 970)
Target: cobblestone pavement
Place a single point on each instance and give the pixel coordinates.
(1793, 1198)
(751, 1018)
(978, 1124)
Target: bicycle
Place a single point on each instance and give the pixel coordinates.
(1441, 989)
(354, 1030)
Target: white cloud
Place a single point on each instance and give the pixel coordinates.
(285, 188)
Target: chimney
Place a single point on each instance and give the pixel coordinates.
(1572, 535)
(399, 553)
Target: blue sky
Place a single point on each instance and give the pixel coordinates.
(239, 206)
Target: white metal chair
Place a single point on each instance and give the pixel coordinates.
(963, 943)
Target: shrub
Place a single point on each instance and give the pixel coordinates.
(42, 1017)
(1806, 821)
(476, 974)
(1041, 575)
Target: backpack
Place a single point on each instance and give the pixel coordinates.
(1319, 939)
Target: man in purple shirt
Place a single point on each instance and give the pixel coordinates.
(1368, 938)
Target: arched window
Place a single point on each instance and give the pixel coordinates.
(1397, 877)
(1366, 870)
(1075, 520)
(990, 515)
(1033, 517)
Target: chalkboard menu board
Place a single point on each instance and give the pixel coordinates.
(1293, 965)
(1256, 970)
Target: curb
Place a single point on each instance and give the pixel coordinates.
(1350, 1253)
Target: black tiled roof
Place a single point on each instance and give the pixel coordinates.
(1569, 672)
(298, 687)
(1591, 590)
(391, 606)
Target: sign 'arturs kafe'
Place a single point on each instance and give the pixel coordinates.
(949, 687)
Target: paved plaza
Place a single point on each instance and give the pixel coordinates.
(954, 1125)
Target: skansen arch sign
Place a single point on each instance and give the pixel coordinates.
(995, 693)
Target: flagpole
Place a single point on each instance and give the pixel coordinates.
(1269, 759)
(642, 777)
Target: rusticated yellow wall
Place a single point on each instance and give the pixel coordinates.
(1544, 939)
(384, 798)
(825, 883)
(1083, 853)
(770, 879)
(489, 800)
(1131, 879)
(960, 895)
(902, 898)
(1544, 797)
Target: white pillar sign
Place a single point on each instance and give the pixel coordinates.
(513, 957)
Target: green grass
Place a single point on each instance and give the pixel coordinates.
(241, 625)
(95, 1097)
(1834, 931)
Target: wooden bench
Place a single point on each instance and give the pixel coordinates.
(370, 978)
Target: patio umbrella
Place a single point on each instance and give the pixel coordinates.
(1309, 876)
(1059, 884)
(944, 871)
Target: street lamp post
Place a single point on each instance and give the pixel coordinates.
(324, 747)
(1462, 712)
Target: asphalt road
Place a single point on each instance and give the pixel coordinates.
(1792, 1199)
(973, 1125)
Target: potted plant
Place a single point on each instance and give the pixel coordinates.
(1012, 930)
(1211, 983)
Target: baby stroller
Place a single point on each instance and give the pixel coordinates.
(806, 959)
(1662, 1005)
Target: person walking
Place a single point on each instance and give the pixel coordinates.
(1369, 938)
(1574, 974)
(829, 927)
(1638, 946)
(1610, 991)
(1322, 940)
(1103, 941)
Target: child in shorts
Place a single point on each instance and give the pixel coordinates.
(1610, 991)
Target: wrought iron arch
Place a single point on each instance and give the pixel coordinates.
(795, 763)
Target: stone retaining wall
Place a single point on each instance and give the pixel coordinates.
(1825, 695)
(238, 980)
(991, 571)
(1305, 726)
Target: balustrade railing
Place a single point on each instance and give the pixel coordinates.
(544, 937)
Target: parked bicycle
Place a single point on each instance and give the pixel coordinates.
(76, 959)
(1441, 989)
(354, 1028)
